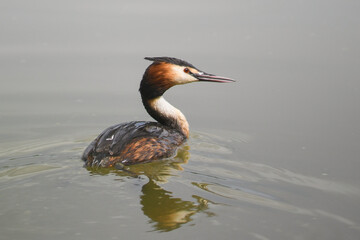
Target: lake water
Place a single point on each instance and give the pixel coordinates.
(275, 155)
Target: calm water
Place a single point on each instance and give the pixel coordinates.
(275, 155)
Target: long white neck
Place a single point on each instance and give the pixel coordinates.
(165, 113)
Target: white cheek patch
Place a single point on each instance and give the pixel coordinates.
(180, 76)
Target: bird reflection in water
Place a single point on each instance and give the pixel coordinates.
(166, 212)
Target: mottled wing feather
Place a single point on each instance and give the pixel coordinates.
(148, 149)
(132, 143)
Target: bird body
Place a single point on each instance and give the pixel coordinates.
(140, 141)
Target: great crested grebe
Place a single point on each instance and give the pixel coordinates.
(140, 141)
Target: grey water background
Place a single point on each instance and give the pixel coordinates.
(275, 155)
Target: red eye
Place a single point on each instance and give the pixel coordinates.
(186, 70)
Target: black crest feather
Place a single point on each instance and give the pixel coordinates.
(171, 60)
